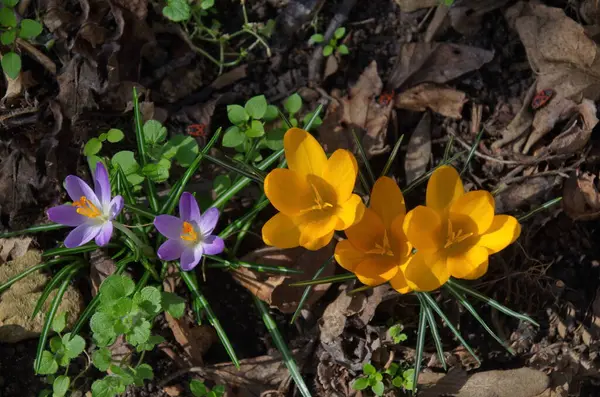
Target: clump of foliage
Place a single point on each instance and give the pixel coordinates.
(333, 45)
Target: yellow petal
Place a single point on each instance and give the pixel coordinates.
(347, 255)
(314, 227)
(387, 200)
(278, 185)
(398, 241)
(376, 269)
(478, 272)
(340, 172)
(318, 243)
(399, 283)
(367, 233)
(468, 261)
(504, 231)
(281, 232)
(443, 188)
(423, 228)
(473, 212)
(426, 271)
(303, 152)
(349, 212)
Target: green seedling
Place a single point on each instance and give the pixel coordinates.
(333, 45)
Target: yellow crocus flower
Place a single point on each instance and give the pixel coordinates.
(377, 249)
(313, 196)
(454, 233)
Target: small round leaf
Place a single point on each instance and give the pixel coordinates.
(378, 388)
(92, 147)
(339, 32)
(61, 385)
(327, 50)
(8, 37)
(256, 107)
(115, 135)
(317, 38)
(7, 17)
(271, 113)
(343, 49)
(360, 384)
(237, 114)
(293, 103)
(30, 29)
(11, 64)
(233, 137)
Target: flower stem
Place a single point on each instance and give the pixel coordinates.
(146, 249)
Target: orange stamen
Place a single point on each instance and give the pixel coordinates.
(188, 233)
(86, 208)
(454, 238)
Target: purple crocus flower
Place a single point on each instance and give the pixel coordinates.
(189, 236)
(92, 211)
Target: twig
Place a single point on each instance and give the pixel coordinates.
(314, 65)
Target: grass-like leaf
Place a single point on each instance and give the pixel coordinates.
(542, 207)
(463, 301)
(491, 302)
(448, 148)
(325, 280)
(472, 151)
(433, 304)
(66, 272)
(434, 331)
(141, 212)
(309, 288)
(314, 116)
(224, 264)
(283, 117)
(392, 157)
(282, 347)
(28, 271)
(34, 229)
(426, 176)
(49, 319)
(89, 247)
(212, 318)
(363, 156)
(419, 348)
(237, 224)
(234, 168)
(139, 137)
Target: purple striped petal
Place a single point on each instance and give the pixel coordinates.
(66, 214)
(170, 250)
(105, 233)
(116, 205)
(208, 221)
(169, 226)
(188, 208)
(190, 257)
(213, 245)
(102, 184)
(82, 234)
(76, 188)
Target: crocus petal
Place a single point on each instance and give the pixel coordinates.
(170, 250)
(398, 241)
(208, 221)
(115, 207)
(288, 191)
(77, 188)
(190, 257)
(349, 212)
(213, 245)
(426, 271)
(443, 188)
(376, 269)
(318, 243)
(462, 264)
(387, 200)
(188, 208)
(105, 233)
(399, 283)
(423, 228)
(473, 212)
(504, 231)
(102, 184)
(66, 214)
(82, 234)
(169, 226)
(314, 225)
(303, 152)
(367, 233)
(340, 172)
(347, 255)
(281, 232)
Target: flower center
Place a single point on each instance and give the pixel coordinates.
(188, 233)
(382, 249)
(455, 237)
(86, 208)
(320, 204)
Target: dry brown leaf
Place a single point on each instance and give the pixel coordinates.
(531, 192)
(435, 63)
(443, 100)
(101, 266)
(581, 197)
(418, 152)
(359, 111)
(578, 132)
(174, 390)
(413, 5)
(139, 8)
(76, 86)
(14, 87)
(272, 289)
(564, 59)
(466, 16)
(331, 66)
(13, 248)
